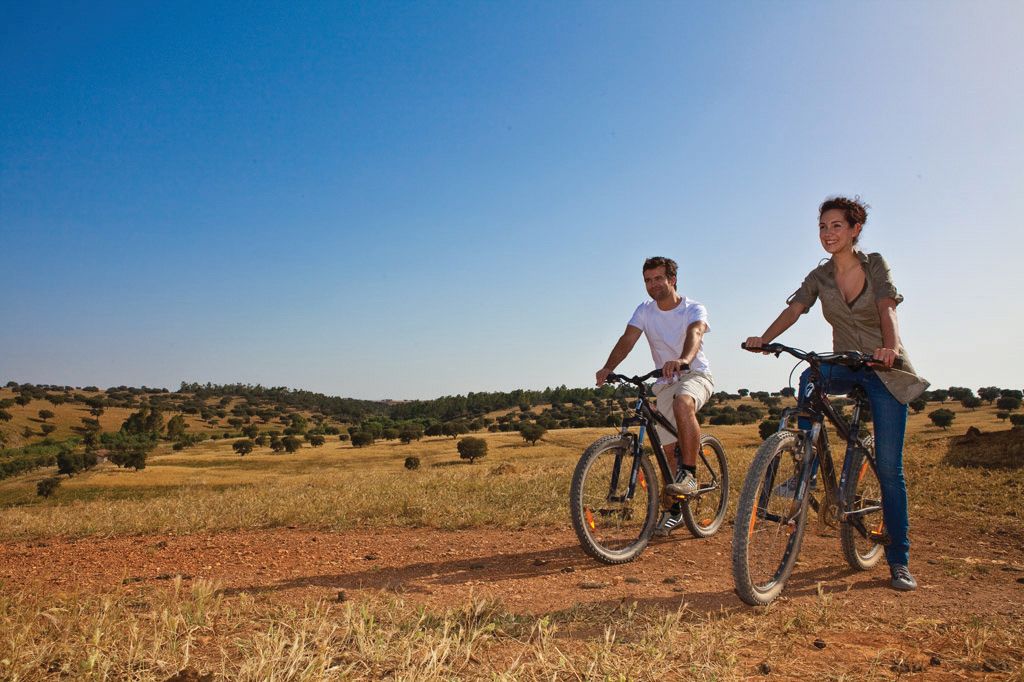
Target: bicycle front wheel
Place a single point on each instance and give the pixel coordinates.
(705, 511)
(613, 517)
(770, 520)
(863, 495)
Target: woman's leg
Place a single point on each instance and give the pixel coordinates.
(890, 419)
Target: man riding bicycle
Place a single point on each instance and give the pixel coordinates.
(675, 328)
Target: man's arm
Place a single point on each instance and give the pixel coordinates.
(619, 352)
(691, 344)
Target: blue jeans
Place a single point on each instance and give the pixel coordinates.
(890, 419)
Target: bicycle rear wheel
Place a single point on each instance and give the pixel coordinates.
(705, 511)
(863, 495)
(613, 523)
(770, 520)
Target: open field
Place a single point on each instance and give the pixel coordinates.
(209, 562)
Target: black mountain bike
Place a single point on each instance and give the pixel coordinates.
(780, 487)
(615, 498)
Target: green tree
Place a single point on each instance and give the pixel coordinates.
(532, 432)
(988, 393)
(47, 429)
(145, 421)
(472, 448)
(1002, 416)
(918, 404)
(243, 447)
(291, 443)
(46, 415)
(129, 450)
(767, 427)
(176, 427)
(410, 432)
(47, 486)
(971, 402)
(5, 416)
(1008, 403)
(316, 440)
(362, 439)
(276, 444)
(412, 463)
(454, 429)
(942, 417)
(251, 431)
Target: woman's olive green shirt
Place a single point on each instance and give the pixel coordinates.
(857, 326)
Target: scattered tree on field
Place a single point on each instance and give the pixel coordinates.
(532, 432)
(47, 429)
(5, 416)
(316, 440)
(767, 428)
(412, 463)
(362, 439)
(243, 447)
(971, 402)
(47, 486)
(176, 427)
(989, 393)
(1002, 416)
(1008, 403)
(291, 443)
(46, 415)
(454, 429)
(472, 448)
(942, 417)
(410, 432)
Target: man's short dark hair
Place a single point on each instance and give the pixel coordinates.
(657, 261)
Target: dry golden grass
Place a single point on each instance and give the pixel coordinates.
(150, 634)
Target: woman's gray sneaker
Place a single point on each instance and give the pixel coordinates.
(901, 578)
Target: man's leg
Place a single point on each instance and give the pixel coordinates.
(685, 411)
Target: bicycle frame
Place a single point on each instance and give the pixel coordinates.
(818, 409)
(645, 416)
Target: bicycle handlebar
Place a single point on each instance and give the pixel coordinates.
(850, 358)
(634, 380)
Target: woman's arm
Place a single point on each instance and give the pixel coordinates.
(783, 322)
(891, 344)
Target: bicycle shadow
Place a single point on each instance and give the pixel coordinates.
(419, 577)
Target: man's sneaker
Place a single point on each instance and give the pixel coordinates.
(686, 485)
(787, 489)
(669, 521)
(901, 578)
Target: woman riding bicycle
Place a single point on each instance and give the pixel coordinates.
(858, 299)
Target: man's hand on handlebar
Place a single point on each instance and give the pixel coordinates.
(602, 375)
(673, 367)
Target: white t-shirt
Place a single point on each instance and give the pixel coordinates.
(666, 330)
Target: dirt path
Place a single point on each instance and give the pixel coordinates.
(530, 571)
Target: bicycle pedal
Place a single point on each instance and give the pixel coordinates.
(879, 538)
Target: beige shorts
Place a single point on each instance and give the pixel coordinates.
(697, 385)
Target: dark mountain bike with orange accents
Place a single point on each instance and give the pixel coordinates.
(615, 499)
(782, 483)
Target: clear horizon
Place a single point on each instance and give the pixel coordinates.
(407, 201)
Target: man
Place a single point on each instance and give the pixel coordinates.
(675, 328)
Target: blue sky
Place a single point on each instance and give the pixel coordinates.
(408, 200)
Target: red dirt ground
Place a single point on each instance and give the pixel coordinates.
(531, 571)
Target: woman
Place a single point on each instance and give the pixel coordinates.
(859, 300)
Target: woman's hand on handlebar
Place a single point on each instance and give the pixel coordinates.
(754, 343)
(885, 356)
